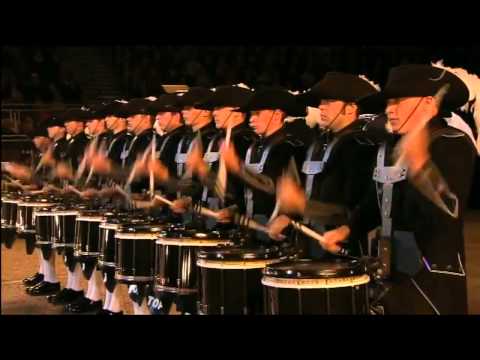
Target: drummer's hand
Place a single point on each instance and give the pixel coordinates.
(41, 143)
(229, 155)
(224, 216)
(47, 158)
(334, 237)
(160, 171)
(64, 171)
(276, 226)
(156, 203)
(100, 163)
(195, 162)
(19, 171)
(90, 193)
(413, 149)
(291, 196)
(180, 206)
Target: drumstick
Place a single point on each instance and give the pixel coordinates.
(245, 221)
(205, 211)
(83, 164)
(164, 200)
(202, 210)
(315, 235)
(123, 192)
(152, 179)
(74, 189)
(421, 124)
(132, 174)
(222, 171)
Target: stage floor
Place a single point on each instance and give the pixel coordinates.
(16, 265)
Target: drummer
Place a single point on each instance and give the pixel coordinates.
(268, 157)
(224, 192)
(339, 163)
(423, 202)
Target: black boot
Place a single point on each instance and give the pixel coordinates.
(44, 288)
(65, 296)
(83, 305)
(33, 280)
(108, 312)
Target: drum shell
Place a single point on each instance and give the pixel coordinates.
(316, 291)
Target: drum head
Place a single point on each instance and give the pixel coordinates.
(316, 269)
(235, 253)
(179, 233)
(139, 226)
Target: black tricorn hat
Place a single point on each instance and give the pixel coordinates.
(228, 95)
(40, 131)
(419, 80)
(272, 98)
(139, 106)
(55, 120)
(167, 103)
(339, 86)
(114, 108)
(195, 96)
(75, 115)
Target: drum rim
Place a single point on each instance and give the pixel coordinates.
(66, 212)
(119, 276)
(87, 253)
(292, 273)
(11, 201)
(35, 204)
(61, 245)
(192, 242)
(108, 226)
(136, 236)
(315, 283)
(215, 255)
(89, 218)
(107, 263)
(236, 264)
(174, 290)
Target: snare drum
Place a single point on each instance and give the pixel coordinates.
(25, 207)
(9, 210)
(44, 226)
(135, 252)
(110, 223)
(87, 244)
(176, 258)
(230, 278)
(10, 201)
(321, 287)
(64, 226)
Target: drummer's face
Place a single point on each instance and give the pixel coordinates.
(94, 126)
(330, 110)
(134, 122)
(194, 116)
(222, 117)
(260, 120)
(55, 131)
(404, 113)
(110, 122)
(162, 120)
(73, 127)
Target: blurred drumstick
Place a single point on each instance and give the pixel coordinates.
(132, 174)
(152, 179)
(221, 184)
(245, 221)
(421, 124)
(83, 164)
